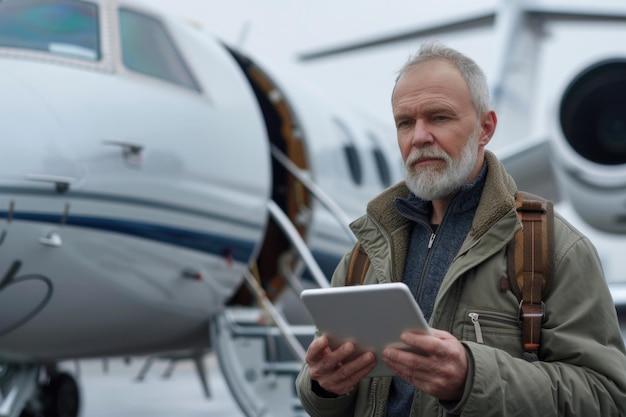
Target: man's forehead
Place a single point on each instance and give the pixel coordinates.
(431, 67)
(436, 77)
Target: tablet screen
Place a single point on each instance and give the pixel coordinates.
(371, 316)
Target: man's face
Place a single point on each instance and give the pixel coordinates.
(441, 138)
(435, 183)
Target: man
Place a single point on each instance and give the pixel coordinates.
(444, 232)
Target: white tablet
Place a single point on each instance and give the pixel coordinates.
(371, 316)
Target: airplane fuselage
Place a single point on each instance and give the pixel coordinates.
(138, 163)
(131, 202)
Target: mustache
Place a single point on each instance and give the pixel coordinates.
(417, 154)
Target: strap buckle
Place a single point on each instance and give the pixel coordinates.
(531, 310)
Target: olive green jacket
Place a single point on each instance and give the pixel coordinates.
(582, 367)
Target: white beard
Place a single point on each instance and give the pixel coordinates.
(433, 183)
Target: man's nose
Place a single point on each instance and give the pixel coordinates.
(421, 134)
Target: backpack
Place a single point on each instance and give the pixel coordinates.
(530, 256)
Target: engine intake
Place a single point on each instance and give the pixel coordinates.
(593, 113)
(590, 147)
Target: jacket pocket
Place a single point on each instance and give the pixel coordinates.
(495, 329)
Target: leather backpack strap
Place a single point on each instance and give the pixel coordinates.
(530, 259)
(359, 262)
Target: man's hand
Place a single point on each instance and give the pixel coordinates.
(440, 369)
(333, 370)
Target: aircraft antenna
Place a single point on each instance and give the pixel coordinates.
(243, 34)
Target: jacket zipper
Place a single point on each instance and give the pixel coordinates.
(433, 235)
(475, 318)
(477, 329)
(373, 395)
(432, 239)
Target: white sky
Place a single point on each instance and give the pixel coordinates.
(275, 31)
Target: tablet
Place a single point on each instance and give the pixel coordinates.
(371, 316)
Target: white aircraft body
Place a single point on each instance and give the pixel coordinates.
(141, 180)
(161, 194)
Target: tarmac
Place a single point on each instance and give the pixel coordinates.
(115, 392)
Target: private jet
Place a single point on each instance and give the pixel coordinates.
(152, 176)
(162, 194)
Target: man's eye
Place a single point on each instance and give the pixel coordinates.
(440, 118)
(404, 123)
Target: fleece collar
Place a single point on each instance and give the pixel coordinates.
(414, 208)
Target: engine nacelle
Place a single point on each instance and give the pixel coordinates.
(590, 146)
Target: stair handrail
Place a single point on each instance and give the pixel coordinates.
(277, 317)
(300, 245)
(304, 178)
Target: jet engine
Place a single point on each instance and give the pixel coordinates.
(590, 145)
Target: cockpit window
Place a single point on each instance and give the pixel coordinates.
(148, 49)
(61, 27)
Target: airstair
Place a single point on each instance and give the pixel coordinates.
(261, 347)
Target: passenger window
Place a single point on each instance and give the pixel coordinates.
(62, 27)
(384, 173)
(147, 48)
(350, 152)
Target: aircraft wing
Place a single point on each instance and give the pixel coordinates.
(451, 26)
(572, 14)
(535, 12)
(529, 163)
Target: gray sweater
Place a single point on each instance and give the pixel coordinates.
(432, 249)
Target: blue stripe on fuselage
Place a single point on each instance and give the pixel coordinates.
(126, 200)
(214, 244)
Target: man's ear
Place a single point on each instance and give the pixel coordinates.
(487, 127)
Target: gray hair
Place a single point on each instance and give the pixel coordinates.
(472, 74)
